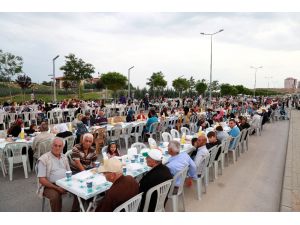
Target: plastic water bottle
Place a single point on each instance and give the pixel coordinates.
(22, 134)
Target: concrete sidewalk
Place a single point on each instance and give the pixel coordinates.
(291, 186)
(253, 183)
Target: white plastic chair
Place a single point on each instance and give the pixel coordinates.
(71, 114)
(13, 152)
(185, 130)
(2, 160)
(12, 118)
(213, 152)
(258, 129)
(242, 140)
(132, 205)
(175, 133)
(59, 116)
(225, 151)
(50, 117)
(132, 151)
(33, 117)
(42, 147)
(114, 134)
(126, 133)
(138, 131)
(172, 122)
(201, 178)
(104, 152)
(25, 116)
(139, 146)
(166, 137)
(181, 175)
(247, 138)
(162, 192)
(69, 141)
(235, 148)
(153, 129)
(2, 120)
(152, 143)
(218, 161)
(193, 128)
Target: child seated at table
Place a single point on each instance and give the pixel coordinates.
(112, 150)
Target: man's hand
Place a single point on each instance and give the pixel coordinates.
(61, 190)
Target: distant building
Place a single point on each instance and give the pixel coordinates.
(290, 83)
(60, 80)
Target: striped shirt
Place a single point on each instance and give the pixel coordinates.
(86, 160)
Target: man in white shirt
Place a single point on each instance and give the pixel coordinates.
(255, 121)
(202, 152)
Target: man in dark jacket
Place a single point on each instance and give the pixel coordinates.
(213, 141)
(157, 175)
(123, 188)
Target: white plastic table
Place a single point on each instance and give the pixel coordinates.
(77, 184)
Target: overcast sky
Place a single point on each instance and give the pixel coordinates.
(152, 42)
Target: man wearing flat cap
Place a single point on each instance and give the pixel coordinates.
(123, 188)
(157, 175)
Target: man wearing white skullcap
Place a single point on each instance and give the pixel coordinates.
(157, 175)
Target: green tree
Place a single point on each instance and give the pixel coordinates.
(10, 65)
(75, 69)
(192, 84)
(66, 85)
(201, 87)
(100, 85)
(180, 84)
(114, 81)
(47, 83)
(227, 89)
(240, 89)
(215, 86)
(157, 82)
(24, 82)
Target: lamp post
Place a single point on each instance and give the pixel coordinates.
(256, 68)
(54, 81)
(129, 81)
(268, 78)
(210, 78)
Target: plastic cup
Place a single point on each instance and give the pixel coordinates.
(124, 170)
(136, 156)
(141, 160)
(89, 185)
(68, 175)
(97, 164)
(132, 160)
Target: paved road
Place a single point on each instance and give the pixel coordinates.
(252, 184)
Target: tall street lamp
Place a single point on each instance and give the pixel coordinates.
(268, 78)
(211, 61)
(54, 81)
(256, 68)
(129, 81)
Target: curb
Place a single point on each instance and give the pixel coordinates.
(290, 194)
